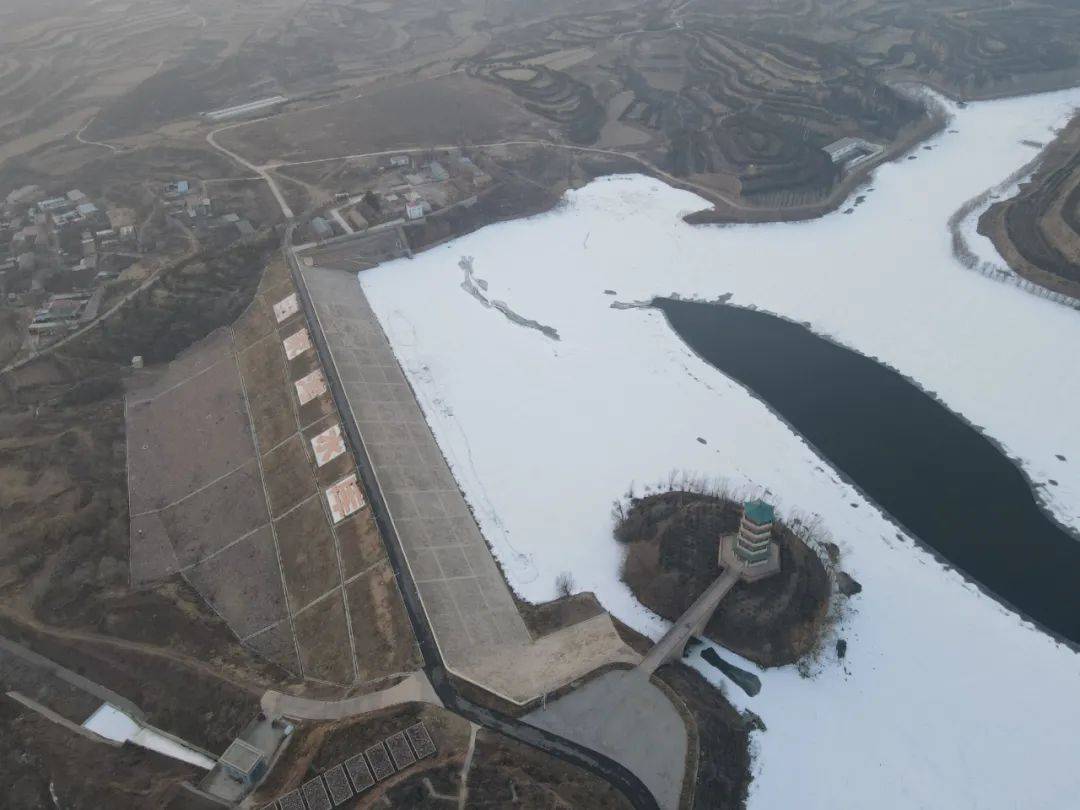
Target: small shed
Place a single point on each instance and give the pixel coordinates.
(321, 228)
(438, 171)
(243, 761)
(358, 220)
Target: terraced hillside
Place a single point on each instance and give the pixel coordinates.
(737, 97)
(60, 62)
(972, 51)
(744, 111)
(1038, 230)
(741, 97)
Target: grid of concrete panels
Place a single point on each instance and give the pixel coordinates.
(400, 751)
(315, 795)
(225, 500)
(359, 773)
(463, 592)
(338, 784)
(379, 761)
(360, 768)
(421, 740)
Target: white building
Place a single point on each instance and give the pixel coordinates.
(848, 152)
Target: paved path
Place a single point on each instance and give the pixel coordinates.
(692, 622)
(624, 716)
(414, 689)
(79, 137)
(678, 182)
(259, 170)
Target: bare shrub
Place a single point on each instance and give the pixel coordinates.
(564, 584)
(629, 524)
(618, 511)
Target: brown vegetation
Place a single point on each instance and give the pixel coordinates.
(549, 617)
(64, 538)
(197, 296)
(673, 542)
(722, 735)
(44, 766)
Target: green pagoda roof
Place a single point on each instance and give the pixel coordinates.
(759, 512)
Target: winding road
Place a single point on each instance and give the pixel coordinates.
(261, 171)
(79, 137)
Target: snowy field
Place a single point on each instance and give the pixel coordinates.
(113, 724)
(945, 699)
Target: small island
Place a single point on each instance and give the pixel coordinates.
(679, 542)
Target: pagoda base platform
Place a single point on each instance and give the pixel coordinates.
(751, 572)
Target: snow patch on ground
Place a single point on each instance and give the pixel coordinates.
(113, 724)
(945, 699)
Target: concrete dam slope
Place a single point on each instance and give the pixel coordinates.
(472, 613)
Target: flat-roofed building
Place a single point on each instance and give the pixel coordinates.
(244, 762)
(54, 204)
(321, 228)
(358, 220)
(438, 171)
(849, 152)
(243, 110)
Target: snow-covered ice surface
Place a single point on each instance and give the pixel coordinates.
(945, 699)
(113, 724)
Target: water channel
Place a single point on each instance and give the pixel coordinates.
(935, 474)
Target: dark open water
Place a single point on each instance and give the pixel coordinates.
(935, 474)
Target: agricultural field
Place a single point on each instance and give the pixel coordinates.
(736, 99)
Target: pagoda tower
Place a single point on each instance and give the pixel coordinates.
(753, 544)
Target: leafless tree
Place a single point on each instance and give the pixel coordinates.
(564, 584)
